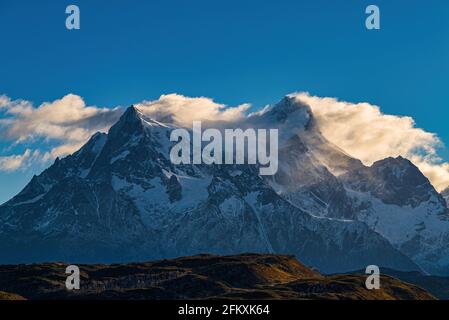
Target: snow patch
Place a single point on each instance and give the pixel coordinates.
(122, 155)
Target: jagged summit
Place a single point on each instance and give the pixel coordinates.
(402, 171)
(287, 110)
(94, 144)
(289, 116)
(394, 181)
(133, 117)
(128, 125)
(288, 106)
(131, 113)
(398, 161)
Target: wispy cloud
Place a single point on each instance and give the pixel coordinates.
(4, 101)
(366, 133)
(21, 161)
(67, 123)
(360, 129)
(183, 110)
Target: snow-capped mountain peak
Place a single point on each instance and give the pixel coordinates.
(290, 109)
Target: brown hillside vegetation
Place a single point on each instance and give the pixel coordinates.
(10, 296)
(246, 276)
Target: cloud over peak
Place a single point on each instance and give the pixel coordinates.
(361, 129)
(62, 126)
(184, 110)
(364, 132)
(66, 119)
(66, 123)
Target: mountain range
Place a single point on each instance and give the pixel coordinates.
(120, 199)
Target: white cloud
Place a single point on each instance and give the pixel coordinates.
(67, 119)
(360, 129)
(183, 110)
(364, 132)
(69, 122)
(21, 161)
(434, 169)
(66, 122)
(4, 101)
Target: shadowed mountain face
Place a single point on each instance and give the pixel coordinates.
(246, 276)
(120, 199)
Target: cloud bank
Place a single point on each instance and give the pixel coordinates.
(364, 132)
(66, 124)
(182, 110)
(360, 129)
(21, 161)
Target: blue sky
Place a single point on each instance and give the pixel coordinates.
(232, 51)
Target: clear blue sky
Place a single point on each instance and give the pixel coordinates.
(234, 51)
